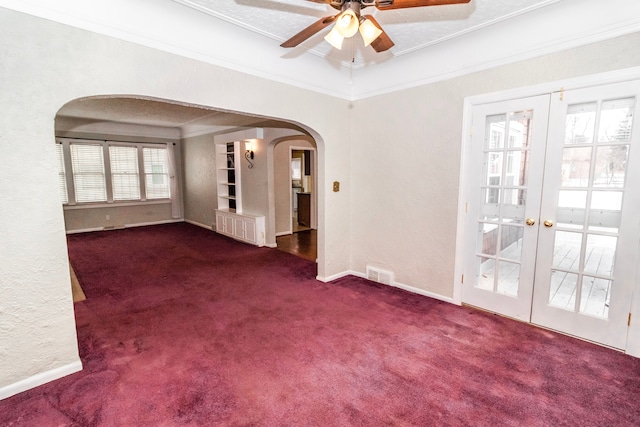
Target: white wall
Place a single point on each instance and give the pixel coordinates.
(406, 163)
(45, 65)
(199, 189)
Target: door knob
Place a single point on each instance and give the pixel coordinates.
(530, 221)
(548, 223)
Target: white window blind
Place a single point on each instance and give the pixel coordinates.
(112, 172)
(88, 173)
(125, 180)
(156, 170)
(62, 179)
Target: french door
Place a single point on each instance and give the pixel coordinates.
(552, 225)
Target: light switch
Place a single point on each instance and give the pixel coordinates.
(336, 186)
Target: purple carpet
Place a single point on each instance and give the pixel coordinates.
(184, 327)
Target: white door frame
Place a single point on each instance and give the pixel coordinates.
(314, 187)
(633, 341)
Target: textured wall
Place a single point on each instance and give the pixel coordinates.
(40, 71)
(200, 192)
(407, 167)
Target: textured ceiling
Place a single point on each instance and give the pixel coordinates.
(190, 120)
(410, 29)
(431, 44)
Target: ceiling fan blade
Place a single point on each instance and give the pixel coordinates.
(383, 42)
(403, 4)
(336, 4)
(309, 31)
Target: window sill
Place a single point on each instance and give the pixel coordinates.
(102, 205)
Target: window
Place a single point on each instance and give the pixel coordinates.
(125, 180)
(108, 172)
(296, 168)
(88, 173)
(156, 170)
(62, 178)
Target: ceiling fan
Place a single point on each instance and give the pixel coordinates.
(349, 21)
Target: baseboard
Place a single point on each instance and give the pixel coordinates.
(283, 233)
(422, 292)
(208, 227)
(144, 224)
(336, 276)
(120, 227)
(40, 379)
(395, 285)
(85, 230)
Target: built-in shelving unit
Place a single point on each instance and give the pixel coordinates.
(246, 228)
(228, 176)
(230, 219)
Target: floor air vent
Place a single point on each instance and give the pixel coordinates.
(380, 276)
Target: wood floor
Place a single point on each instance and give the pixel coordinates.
(302, 243)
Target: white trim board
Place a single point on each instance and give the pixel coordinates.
(40, 379)
(120, 227)
(398, 285)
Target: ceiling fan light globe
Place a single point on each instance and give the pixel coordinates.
(347, 24)
(334, 38)
(369, 32)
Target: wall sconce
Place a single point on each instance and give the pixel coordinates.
(248, 154)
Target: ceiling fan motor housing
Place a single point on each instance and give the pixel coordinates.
(346, 4)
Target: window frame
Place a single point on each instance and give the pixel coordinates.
(72, 202)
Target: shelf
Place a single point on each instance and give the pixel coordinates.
(228, 176)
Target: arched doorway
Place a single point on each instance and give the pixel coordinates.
(295, 196)
(189, 129)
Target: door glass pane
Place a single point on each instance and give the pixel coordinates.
(606, 211)
(570, 218)
(572, 199)
(616, 120)
(513, 208)
(495, 132)
(610, 200)
(511, 242)
(517, 168)
(486, 273)
(508, 277)
(566, 250)
(594, 298)
(493, 168)
(490, 206)
(519, 127)
(576, 162)
(611, 163)
(571, 208)
(599, 254)
(580, 124)
(562, 291)
(487, 239)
